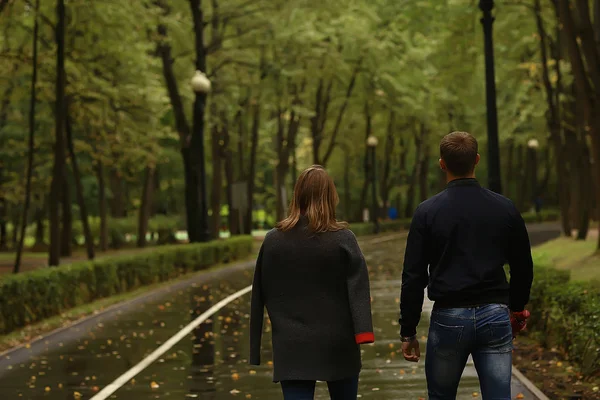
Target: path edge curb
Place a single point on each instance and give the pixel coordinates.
(528, 384)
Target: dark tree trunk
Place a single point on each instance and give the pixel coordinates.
(252, 167)
(347, 194)
(416, 172)
(3, 225)
(117, 205)
(424, 175)
(217, 181)
(233, 217)
(585, 194)
(587, 82)
(509, 176)
(522, 182)
(87, 232)
(31, 142)
(39, 227)
(386, 181)
(197, 154)
(58, 172)
(15, 230)
(3, 230)
(403, 174)
(102, 207)
(366, 163)
(145, 207)
(67, 221)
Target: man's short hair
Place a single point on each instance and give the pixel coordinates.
(459, 152)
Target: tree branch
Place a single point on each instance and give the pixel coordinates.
(338, 122)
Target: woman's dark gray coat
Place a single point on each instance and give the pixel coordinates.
(316, 290)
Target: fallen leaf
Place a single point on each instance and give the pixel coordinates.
(475, 394)
(235, 376)
(77, 395)
(154, 385)
(520, 396)
(47, 389)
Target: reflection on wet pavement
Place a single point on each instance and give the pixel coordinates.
(212, 362)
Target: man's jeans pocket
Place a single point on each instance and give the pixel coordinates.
(445, 339)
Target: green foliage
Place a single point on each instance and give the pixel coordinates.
(366, 228)
(566, 314)
(32, 296)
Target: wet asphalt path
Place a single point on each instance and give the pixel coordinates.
(211, 363)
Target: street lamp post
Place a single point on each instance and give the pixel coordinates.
(494, 179)
(201, 86)
(532, 146)
(372, 144)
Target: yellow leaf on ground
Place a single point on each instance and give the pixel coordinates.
(154, 385)
(520, 396)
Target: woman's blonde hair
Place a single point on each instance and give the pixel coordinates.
(315, 197)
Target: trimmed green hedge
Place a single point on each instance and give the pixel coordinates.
(33, 296)
(566, 314)
(544, 216)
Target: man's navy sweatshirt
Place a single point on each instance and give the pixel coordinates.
(458, 244)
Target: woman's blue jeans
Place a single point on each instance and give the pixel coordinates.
(346, 389)
(455, 333)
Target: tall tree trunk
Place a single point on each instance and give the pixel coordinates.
(217, 180)
(145, 207)
(102, 206)
(252, 167)
(67, 221)
(117, 206)
(509, 176)
(3, 230)
(233, 217)
(59, 146)
(31, 142)
(197, 153)
(386, 183)
(39, 227)
(590, 90)
(416, 172)
(87, 232)
(347, 194)
(522, 182)
(366, 162)
(402, 176)
(585, 194)
(424, 175)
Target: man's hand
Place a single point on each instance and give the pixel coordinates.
(408, 348)
(518, 321)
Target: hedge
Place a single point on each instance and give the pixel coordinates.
(566, 314)
(33, 296)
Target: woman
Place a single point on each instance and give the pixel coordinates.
(313, 280)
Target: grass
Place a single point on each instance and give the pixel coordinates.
(10, 257)
(34, 331)
(578, 256)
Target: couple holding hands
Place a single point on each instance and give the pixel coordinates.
(313, 280)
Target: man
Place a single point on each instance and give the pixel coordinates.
(458, 244)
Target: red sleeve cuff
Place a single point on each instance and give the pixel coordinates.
(363, 338)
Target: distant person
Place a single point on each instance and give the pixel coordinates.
(313, 279)
(458, 244)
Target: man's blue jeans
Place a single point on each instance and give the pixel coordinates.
(485, 333)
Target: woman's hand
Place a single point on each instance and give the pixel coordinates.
(411, 350)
